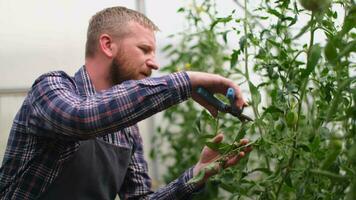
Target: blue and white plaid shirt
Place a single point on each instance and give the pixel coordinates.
(60, 110)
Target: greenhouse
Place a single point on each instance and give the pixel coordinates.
(193, 99)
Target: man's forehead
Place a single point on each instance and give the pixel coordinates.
(141, 33)
(138, 27)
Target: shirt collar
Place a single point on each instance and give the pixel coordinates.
(84, 84)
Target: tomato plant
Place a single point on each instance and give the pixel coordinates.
(301, 83)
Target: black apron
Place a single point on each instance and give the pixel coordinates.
(96, 171)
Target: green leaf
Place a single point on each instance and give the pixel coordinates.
(272, 109)
(315, 144)
(261, 54)
(224, 34)
(220, 20)
(220, 147)
(181, 10)
(274, 43)
(337, 98)
(303, 30)
(213, 146)
(255, 94)
(289, 181)
(350, 47)
(264, 170)
(198, 125)
(313, 58)
(167, 47)
(228, 187)
(234, 57)
(349, 21)
(242, 132)
(275, 13)
(243, 43)
(295, 19)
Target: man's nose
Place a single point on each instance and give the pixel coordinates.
(151, 63)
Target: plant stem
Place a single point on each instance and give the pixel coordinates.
(305, 81)
(332, 176)
(247, 74)
(222, 158)
(300, 104)
(217, 127)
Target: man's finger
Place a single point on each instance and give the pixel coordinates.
(244, 141)
(232, 161)
(241, 154)
(248, 149)
(240, 101)
(218, 138)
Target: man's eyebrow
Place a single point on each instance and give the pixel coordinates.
(151, 47)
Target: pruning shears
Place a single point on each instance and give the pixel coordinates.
(221, 106)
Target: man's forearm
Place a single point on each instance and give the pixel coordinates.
(56, 107)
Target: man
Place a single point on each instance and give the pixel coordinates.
(77, 138)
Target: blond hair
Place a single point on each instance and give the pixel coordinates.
(113, 21)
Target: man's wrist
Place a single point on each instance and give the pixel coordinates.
(196, 171)
(207, 174)
(181, 81)
(200, 185)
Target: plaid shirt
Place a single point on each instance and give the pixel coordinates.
(60, 110)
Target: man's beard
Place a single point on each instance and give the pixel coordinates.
(114, 72)
(121, 70)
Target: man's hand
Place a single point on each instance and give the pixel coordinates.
(208, 156)
(214, 84)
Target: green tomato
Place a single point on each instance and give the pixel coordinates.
(315, 5)
(291, 118)
(330, 51)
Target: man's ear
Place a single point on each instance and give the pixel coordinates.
(107, 45)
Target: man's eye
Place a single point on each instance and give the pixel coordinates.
(144, 50)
